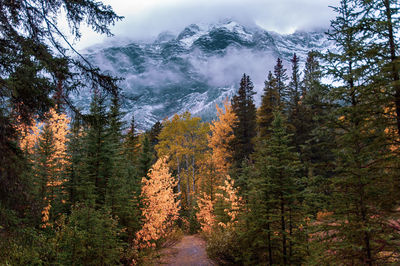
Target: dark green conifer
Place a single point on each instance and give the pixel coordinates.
(363, 197)
(74, 169)
(269, 104)
(245, 127)
(97, 168)
(281, 79)
(154, 132)
(145, 157)
(295, 108)
(131, 143)
(275, 202)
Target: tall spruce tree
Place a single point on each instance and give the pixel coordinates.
(281, 79)
(295, 108)
(275, 202)
(245, 127)
(380, 23)
(116, 196)
(269, 104)
(315, 136)
(145, 160)
(358, 231)
(131, 143)
(97, 160)
(74, 169)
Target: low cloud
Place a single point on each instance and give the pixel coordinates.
(146, 19)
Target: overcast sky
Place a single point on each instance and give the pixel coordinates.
(144, 19)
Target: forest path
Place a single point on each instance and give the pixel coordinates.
(191, 250)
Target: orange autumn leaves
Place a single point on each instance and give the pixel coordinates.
(225, 193)
(161, 205)
(221, 136)
(30, 137)
(58, 123)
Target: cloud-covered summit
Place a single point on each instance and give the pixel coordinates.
(197, 67)
(146, 19)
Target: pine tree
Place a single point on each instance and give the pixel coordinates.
(245, 127)
(314, 135)
(358, 229)
(295, 83)
(269, 104)
(97, 160)
(145, 159)
(116, 194)
(154, 132)
(89, 237)
(281, 79)
(295, 108)
(380, 24)
(74, 169)
(122, 186)
(275, 208)
(132, 143)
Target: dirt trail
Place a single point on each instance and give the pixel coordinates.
(191, 250)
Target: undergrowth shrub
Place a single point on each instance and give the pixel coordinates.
(223, 246)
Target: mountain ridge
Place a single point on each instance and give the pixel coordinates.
(196, 68)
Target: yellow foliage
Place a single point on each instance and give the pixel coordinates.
(221, 136)
(28, 135)
(183, 140)
(59, 125)
(161, 206)
(229, 195)
(206, 215)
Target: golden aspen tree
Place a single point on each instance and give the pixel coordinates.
(217, 168)
(221, 136)
(161, 205)
(170, 145)
(184, 140)
(232, 203)
(206, 216)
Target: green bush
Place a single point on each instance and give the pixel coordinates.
(223, 246)
(27, 246)
(88, 237)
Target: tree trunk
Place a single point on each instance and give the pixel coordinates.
(179, 174)
(271, 262)
(283, 228)
(193, 176)
(187, 181)
(290, 233)
(393, 58)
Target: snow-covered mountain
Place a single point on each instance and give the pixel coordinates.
(197, 68)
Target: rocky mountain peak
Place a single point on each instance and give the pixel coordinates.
(197, 68)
